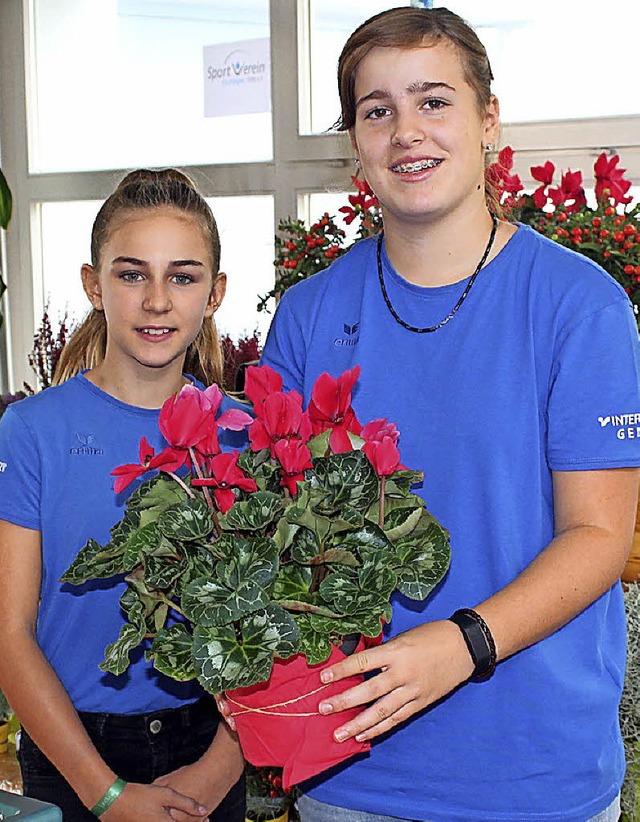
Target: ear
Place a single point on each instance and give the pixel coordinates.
(491, 131)
(91, 285)
(217, 294)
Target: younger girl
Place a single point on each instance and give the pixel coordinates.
(154, 286)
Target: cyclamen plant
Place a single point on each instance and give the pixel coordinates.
(282, 549)
(608, 233)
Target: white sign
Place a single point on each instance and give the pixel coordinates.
(237, 78)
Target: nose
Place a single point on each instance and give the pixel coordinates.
(409, 129)
(157, 297)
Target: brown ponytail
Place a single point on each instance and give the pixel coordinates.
(146, 189)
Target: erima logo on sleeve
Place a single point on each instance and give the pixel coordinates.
(626, 426)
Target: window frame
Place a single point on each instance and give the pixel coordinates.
(301, 163)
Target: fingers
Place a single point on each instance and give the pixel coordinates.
(370, 659)
(380, 718)
(173, 800)
(225, 710)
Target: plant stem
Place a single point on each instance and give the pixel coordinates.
(306, 608)
(172, 605)
(182, 484)
(381, 516)
(206, 492)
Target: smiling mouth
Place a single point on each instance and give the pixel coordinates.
(155, 332)
(419, 165)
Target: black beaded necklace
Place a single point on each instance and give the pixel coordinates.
(463, 296)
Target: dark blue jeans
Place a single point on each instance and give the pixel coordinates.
(139, 749)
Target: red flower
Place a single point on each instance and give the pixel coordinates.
(570, 194)
(498, 173)
(188, 419)
(381, 446)
(362, 201)
(280, 417)
(376, 430)
(543, 174)
(384, 455)
(611, 179)
(330, 408)
(260, 381)
(168, 460)
(185, 417)
(295, 458)
(225, 476)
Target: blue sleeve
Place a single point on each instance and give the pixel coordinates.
(594, 402)
(285, 347)
(20, 473)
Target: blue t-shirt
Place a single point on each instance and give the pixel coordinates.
(537, 372)
(57, 450)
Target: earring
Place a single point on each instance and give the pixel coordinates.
(489, 147)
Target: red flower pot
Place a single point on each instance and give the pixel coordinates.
(278, 721)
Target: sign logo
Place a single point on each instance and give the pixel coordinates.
(85, 447)
(626, 426)
(351, 339)
(237, 78)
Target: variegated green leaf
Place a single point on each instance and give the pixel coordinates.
(401, 521)
(256, 559)
(159, 573)
(141, 541)
(188, 520)
(344, 479)
(305, 546)
(116, 658)
(254, 514)
(400, 482)
(370, 543)
(172, 653)
(206, 602)
(319, 445)
(338, 556)
(81, 569)
(200, 562)
(293, 582)
(423, 558)
(314, 645)
(226, 659)
(158, 494)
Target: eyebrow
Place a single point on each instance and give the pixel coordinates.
(418, 87)
(176, 263)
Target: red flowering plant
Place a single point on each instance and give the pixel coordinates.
(302, 251)
(248, 570)
(608, 232)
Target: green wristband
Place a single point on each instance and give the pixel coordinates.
(109, 798)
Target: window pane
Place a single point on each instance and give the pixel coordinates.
(121, 83)
(330, 24)
(246, 233)
(547, 56)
